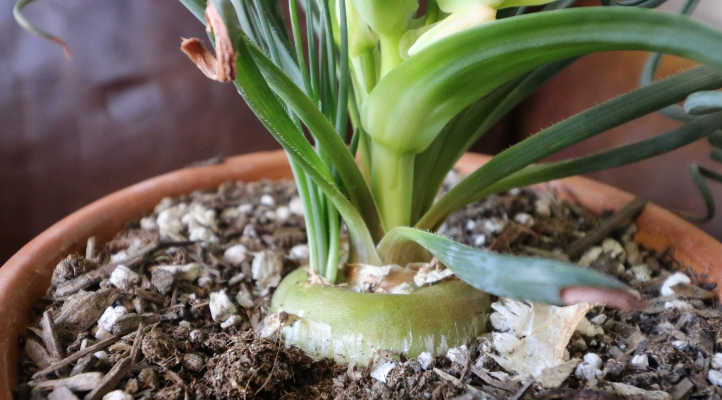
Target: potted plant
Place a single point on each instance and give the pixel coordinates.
(417, 89)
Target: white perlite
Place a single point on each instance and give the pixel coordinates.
(296, 206)
(80, 382)
(641, 272)
(543, 207)
(270, 325)
(117, 395)
(233, 320)
(680, 344)
(458, 355)
(195, 336)
(235, 255)
(425, 359)
(715, 377)
(717, 361)
(677, 305)
(667, 288)
(479, 240)
(169, 221)
(431, 272)
(221, 306)
(524, 219)
(493, 225)
(588, 329)
(267, 200)
(119, 257)
(244, 298)
(148, 224)
(299, 253)
(186, 272)
(266, 270)
(110, 317)
(123, 278)
(61, 393)
(590, 368)
(283, 213)
(381, 371)
(366, 278)
(640, 361)
(613, 248)
(201, 222)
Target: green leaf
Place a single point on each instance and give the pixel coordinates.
(197, 8)
(459, 135)
(612, 158)
(528, 278)
(698, 175)
(431, 87)
(252, 85)
(325, 134)
(570, 131)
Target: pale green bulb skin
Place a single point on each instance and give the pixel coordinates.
(387, 17)
(353, 327)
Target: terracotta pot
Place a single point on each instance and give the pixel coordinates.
(26, 276)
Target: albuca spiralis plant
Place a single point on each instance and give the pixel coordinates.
(392, 93)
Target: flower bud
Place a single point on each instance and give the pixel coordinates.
(461, 19)
(386, 17)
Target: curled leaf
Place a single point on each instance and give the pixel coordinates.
(464, 19)
(221, 66)
(23, 22)
(534, 279)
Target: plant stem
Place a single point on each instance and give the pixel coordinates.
(302, 184)
(333, 246)
(316, 239)
(390, 55)
(392, 183)
(363, 70)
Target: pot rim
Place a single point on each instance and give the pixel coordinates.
(26, 275)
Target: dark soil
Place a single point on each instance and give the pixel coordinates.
(159, 339)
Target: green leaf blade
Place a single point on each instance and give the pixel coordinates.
(325, 134)
(528, 278)
(430, 88)
(570, 131)
(612, 158)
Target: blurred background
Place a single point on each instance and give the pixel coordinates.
(129, 106)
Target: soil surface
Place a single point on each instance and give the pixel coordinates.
(171, 309)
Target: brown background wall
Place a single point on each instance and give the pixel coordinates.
(129, 106)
